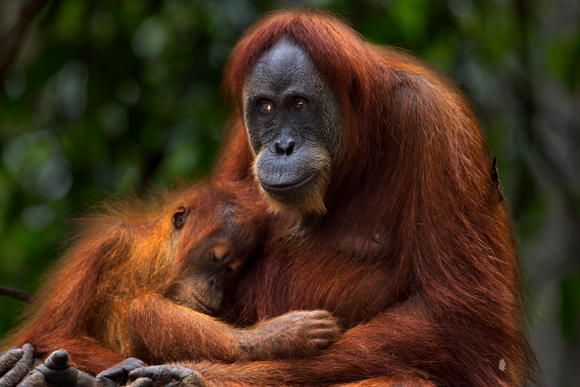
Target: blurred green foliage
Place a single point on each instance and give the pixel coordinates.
(115, 96)
(570, 310)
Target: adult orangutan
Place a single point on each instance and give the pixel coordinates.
(385, 213)
(147, 281)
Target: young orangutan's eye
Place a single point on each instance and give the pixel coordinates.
(220, 251)
(231, 270)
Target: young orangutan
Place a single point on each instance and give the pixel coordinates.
(149, 282)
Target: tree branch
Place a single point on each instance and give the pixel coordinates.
(19, 294)
(11, 42)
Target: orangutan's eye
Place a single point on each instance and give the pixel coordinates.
(300, 104)
(220, 252)
(265, 106)
(231, 270)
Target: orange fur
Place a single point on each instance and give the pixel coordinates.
(103, 291)
(415, 254)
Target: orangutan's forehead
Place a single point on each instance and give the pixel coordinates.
(282, 64)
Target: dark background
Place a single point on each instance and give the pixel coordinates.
(121, 95)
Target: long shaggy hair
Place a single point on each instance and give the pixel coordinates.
(416, 241)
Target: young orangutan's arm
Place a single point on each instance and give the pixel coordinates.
(161, 330)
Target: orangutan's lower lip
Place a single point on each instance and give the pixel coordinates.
(203, 307)
(283, 189)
